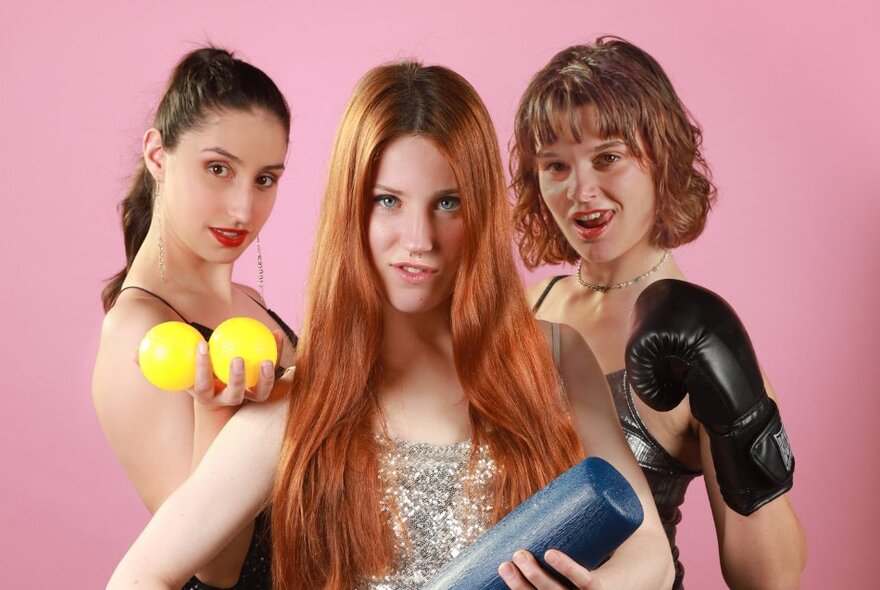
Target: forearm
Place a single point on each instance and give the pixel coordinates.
(643, 561)
(225, 568)
(766, 550)
(220, 498)
(208, 421)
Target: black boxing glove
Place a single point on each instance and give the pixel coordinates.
(686, 339)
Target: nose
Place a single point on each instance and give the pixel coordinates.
(240, 204)
(585, 182)
(418, 235)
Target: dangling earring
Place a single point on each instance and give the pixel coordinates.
(260, 269)
(158, 206)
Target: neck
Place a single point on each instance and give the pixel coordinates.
(420, 397)
(184, 270)
(634, 263)
(409, 339)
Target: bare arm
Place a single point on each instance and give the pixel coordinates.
(225, 492)
(149, 430)
(157, 436)
(644, 560)
(765, 550)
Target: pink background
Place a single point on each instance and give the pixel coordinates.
(788, 95)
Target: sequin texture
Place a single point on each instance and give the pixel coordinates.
(435, 507)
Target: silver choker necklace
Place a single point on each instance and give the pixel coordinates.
(604, 288)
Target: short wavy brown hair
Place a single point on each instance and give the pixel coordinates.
(634, 101)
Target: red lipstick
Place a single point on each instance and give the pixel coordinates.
(231, 238)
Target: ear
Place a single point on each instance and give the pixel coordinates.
(154, 154)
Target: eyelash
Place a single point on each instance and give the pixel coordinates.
(380, 201)
(455, 200)
(214, 167)
(223, 171)
(555, 167)
(272, 180)
(603, 159)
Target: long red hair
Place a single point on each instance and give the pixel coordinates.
(328, 531)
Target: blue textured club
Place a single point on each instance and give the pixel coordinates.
(586, 513)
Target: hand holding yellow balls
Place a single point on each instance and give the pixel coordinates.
(167, 354)
(244, 338)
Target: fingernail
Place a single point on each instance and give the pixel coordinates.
(267, 369)
(519, 558)
(238, 364)
(203, 347)
(504, 569)
(551, 557)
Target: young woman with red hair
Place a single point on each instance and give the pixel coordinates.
(425, 403)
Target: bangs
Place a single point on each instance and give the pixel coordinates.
(555, 112)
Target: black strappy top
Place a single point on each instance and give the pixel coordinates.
(206, 332)
(256, 569)
(667, 477)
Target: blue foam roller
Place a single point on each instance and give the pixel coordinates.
(586, 513)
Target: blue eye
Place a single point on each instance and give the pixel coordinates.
(386, 201)
(449, 203)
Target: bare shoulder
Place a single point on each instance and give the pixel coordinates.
(122, 330)
(578, 360)
(149, 430)
(251, 292)
(534, 291)
(134, 314)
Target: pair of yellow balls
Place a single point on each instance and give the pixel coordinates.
(167, 354)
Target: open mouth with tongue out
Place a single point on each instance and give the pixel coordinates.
(591, 224)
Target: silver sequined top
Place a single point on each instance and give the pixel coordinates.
(435, 506)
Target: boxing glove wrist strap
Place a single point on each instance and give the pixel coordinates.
(753, 460)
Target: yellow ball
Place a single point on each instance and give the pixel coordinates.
(167, 355)
(246, 338)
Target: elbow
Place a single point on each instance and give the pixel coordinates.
(122, 579)
(783, 576)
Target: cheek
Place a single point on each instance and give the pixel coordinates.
(552, 193)
(378, 235)
(263, 209)
(453, 237)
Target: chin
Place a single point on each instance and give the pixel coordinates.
(414, 304)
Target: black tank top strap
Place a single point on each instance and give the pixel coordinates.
(291, 335)
(556, 344)
(288, 331)
(157, 297)
(543, 296)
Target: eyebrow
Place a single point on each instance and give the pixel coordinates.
(598, 148)
(394, 191)
(236, 159)
(608, 144)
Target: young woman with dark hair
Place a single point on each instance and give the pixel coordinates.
(202, 193)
